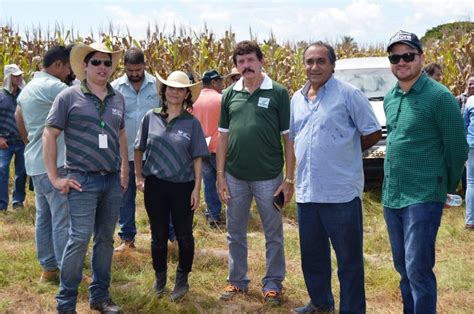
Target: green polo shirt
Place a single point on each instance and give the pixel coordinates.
(255, 123)
(426, 144)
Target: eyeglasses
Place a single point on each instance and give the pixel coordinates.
(96, 62)
(407, 57)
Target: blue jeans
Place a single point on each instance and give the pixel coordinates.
(213, 210)
(6, 155)
(470, 188)
(341, 225)
(412, 231)
(238, 211)
(128, 228)
(95, 210)
(52, 222)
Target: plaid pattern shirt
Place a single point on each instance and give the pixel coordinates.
(8, 128)
(426, 144)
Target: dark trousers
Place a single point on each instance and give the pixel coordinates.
(162, 198)
(339, 224)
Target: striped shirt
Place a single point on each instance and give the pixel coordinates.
(170, 147)
(426, 144)
(79, 113)
(8, 129)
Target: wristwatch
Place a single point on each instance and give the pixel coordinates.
(290, 181)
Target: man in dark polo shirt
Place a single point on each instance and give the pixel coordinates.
(92, 117)
(426, 151)
(255, 115)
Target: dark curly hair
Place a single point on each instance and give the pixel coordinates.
(187, 103)
(245, 47)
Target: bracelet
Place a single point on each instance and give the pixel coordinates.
(290, 181)
(220, 171)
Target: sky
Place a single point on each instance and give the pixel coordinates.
(369, 22)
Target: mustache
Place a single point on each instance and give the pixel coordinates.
(248, 70)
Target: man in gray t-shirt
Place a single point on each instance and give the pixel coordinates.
(91, 115)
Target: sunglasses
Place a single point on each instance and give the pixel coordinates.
(407, 57)
(96, 62)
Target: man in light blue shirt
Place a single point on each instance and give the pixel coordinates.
(34, 103)
(331, 123)
(139, 90)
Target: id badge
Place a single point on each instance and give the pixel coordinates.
(263, 102)
(103, 141)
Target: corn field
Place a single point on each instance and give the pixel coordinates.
(187, 50)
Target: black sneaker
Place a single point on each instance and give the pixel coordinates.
(106, 306)
(18, 205)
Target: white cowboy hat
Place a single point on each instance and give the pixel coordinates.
(81, 50)
(179, 79)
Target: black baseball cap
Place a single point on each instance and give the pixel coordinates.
(406, 38)
(211, 75)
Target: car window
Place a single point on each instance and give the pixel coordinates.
(375, 83)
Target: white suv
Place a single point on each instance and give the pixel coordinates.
(372, 75)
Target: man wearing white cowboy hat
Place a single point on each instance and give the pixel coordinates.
(173, 143)
(10, 140)
(92, 117)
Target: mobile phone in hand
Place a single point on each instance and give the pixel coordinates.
(278, 201)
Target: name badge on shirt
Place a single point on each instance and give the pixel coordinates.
(103, 141)
(263, 102)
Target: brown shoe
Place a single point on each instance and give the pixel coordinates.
(469, 226)
(49, 276)
(125, 245)
(230, 291)
(272, 298)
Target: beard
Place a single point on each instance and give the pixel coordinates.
(136, 79)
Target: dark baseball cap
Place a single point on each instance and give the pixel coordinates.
(406, 38)
(211, 75)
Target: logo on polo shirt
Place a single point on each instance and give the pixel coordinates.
(184, 134)
(117, 112)
(263, 102)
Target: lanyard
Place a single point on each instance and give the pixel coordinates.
(100, 107)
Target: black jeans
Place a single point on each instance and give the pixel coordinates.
(161, 198)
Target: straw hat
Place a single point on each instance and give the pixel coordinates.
(81, 50)
(233, 72)
(179, 79)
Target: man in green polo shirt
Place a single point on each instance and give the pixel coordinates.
(426, 151)
(255, 114)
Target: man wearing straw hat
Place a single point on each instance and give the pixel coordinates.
(10, 140)
(233, 76)
(91, 115)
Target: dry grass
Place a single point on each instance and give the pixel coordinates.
(133, 275)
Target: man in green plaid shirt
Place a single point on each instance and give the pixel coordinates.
(426, 151)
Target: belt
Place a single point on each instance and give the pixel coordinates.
(91, 173)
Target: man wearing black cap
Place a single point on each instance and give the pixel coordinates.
(425, 132)
(206, 109)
